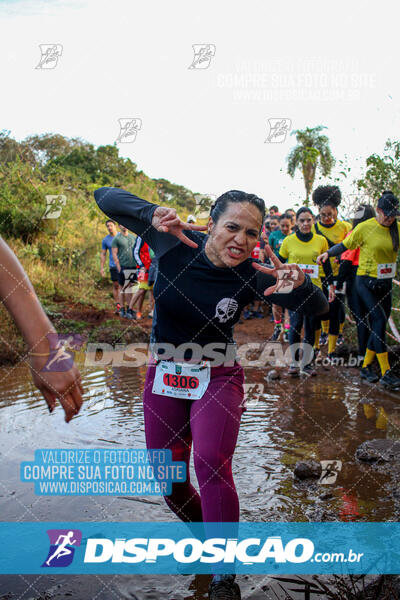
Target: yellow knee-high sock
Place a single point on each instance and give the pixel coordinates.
(382, 420)
(369, 411)
(325, 326)
(341, 326)
(368, 358)
(383, 361)
(316, 341)
(332, 339)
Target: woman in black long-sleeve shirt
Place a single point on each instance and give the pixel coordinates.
(203, 283)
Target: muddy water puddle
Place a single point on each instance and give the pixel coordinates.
(323, 418)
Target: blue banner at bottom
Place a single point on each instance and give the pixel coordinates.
(180, 548)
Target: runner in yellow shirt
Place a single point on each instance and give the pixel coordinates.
(302, 248)
(378, 240)
(328, 198)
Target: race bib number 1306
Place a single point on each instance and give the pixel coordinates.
(181, 380)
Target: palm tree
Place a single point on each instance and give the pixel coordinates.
(312, 151)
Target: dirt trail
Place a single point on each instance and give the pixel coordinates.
(253, 330)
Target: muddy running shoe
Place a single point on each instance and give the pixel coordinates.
(308, 370)
(293, 371)
(340, 339)
(286, 336)
(368, 374)
(130, 314)
(277, 332)
(122, 312)
(323, 340)
(390, 381)
(223, 587)
(150, 315)
(117, 308)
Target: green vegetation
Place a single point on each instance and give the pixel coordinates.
(383, 172)
(62, 255)
(312, 151)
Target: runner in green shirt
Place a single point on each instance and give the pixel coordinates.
(275, 241)
(122, 251)
(276, 238)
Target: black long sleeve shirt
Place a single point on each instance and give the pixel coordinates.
(196, 301)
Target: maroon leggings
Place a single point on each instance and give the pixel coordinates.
(211, 424)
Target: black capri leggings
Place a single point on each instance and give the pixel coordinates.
(355, 306)
(375, 297)
(335, 311)
(297, 320)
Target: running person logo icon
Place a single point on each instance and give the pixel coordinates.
(278, 130)
(285, 280)
(50, 53)
(130, 279)
(59, 359)
(54, 206)
(203, 54)
(128, 130)
(330, 471)
(61, 551)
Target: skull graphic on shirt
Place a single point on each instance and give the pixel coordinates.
(225, 309)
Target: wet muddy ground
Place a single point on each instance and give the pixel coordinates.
(323, 418)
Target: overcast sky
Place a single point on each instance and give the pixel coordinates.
(310, 62)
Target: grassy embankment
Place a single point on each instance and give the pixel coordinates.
(63, 263)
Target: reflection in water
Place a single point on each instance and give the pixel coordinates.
(323, 419)
(349, 509)
(379, 413)
(382, 420)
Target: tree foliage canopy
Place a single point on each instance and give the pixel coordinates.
(51, 164)
(312, 152)
(382, 172)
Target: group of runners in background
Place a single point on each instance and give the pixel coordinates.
(207, 281)
(353, 261)
(206, 278)
(132, 270)
(132, 267)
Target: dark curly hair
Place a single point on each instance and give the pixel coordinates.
(327, 195)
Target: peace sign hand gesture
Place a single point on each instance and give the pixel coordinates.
(288, 277)
(167, 221)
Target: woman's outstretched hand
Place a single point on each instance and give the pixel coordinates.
(19, 298)
(288, 277)
(167, 221)
(322, 258)
(65, 386)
